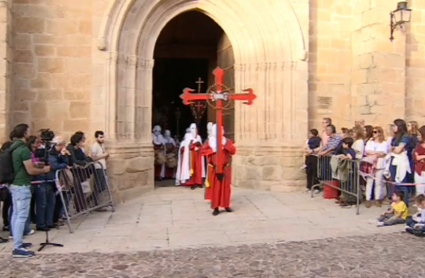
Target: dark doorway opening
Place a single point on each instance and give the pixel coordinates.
(185, 53)
(171, 76)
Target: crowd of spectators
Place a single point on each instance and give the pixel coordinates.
(391, 165)
(33, 196)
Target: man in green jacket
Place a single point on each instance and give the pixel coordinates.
(24, 169)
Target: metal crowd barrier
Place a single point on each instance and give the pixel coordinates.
(82, 190)
(339, 174)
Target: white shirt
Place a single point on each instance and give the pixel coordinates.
(378, 147)
(97, 150)
(358, 146)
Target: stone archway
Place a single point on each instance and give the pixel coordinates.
(269, 53)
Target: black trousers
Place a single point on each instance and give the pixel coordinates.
(311, 170)
(7, 203)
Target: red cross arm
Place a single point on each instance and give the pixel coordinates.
(248, 97)
(188, 98)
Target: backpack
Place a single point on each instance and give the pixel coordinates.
(7, 173)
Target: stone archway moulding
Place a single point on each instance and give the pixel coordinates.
(270, 54)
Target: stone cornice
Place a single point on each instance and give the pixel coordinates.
(145, 64)
(269, 150)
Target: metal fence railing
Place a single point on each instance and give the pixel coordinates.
(83, 190)
(339, 176)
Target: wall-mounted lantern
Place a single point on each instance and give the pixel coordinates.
(400, 16)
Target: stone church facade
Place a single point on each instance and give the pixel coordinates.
(87, 65)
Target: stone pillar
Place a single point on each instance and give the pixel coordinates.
(378, 65)
(143, 99)
(226, 60)
(111, 93)
(5, 65)
(415, 62)
(272, 130)
(126, 97)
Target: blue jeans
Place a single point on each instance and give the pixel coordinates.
(44, 204)
(389, 220)
(21, 199)
(410, 222)
(27, 229)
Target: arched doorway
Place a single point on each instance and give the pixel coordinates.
(188, 48)
(270, 53)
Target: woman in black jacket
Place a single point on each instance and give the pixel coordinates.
(78, 158)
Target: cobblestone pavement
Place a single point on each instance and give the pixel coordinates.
(170, 232)
(389, 255)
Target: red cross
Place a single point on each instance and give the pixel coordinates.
(218, 97)
(199, 106)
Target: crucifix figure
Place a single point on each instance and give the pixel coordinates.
(198, 107)
(199, 82)
(218, 96)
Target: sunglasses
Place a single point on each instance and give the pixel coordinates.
(375, 131)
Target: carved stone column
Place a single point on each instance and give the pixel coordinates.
(143, 100)
(111, 95)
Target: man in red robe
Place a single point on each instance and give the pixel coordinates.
(219, 191)
(192, 165)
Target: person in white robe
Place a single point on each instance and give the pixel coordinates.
(183, 172)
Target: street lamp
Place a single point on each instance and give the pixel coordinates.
(400, 16)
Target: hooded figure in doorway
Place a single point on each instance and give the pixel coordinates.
(219, 191)
(183, 172)
(159, 148)
(192, 164)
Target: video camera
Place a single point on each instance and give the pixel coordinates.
(46, 136)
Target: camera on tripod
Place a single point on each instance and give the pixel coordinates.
(46, 136)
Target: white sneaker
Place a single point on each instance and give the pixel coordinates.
(307, 191)
(316, 191)
(30, 233)
(380, 224)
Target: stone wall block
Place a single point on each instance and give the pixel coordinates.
(139, 164)
(271, 173)
(116, 166)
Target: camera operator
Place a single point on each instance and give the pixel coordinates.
(45, 186)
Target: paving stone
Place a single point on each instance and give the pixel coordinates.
(280, 238)
(380, 255)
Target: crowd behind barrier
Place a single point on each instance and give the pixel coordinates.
(337, 176)
(48, 182)
(370, 165)
(83, 189)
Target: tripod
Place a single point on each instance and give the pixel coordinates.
(47, 242)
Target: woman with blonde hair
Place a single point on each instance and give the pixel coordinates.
(376, 150)
(368, 134)
(359, 144)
